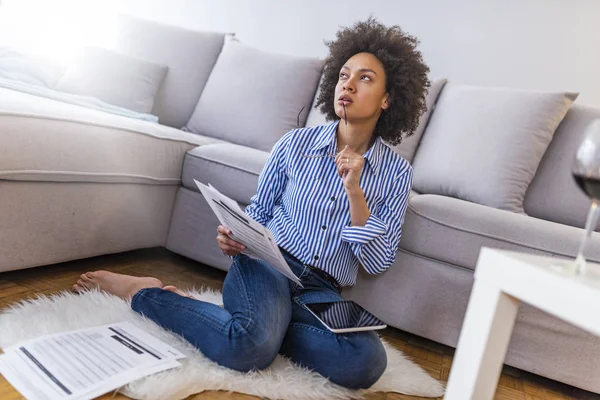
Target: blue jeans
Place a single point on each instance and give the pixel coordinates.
(263, 316)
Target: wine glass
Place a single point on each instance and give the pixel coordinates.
(586, 172)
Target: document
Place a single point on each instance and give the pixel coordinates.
(86, 363)
(258, 239)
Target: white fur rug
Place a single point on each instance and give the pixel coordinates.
(282, 380)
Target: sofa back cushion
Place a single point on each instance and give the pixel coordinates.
(408, 147)
(189, 56)
(253, 98)
(553, 194)
(315, 116)
(484, 144)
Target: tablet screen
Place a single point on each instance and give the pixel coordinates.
(344, 315)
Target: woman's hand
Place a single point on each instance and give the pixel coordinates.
(349, 166)
(227, 245)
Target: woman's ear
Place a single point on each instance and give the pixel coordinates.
(386, 102)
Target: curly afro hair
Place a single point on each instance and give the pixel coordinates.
(406, 75)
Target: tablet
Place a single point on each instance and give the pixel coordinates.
(345, 316)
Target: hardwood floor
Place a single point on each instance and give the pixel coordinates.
(436, 359)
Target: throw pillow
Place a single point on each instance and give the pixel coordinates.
(28, 69)
(114, 78)
(408, 147)
(253, 97)
(484, 144)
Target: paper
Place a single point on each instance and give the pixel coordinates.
(86, 363)
(258, 240)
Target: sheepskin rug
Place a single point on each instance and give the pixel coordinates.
(282, 380)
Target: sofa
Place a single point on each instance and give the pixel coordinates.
(78, 182)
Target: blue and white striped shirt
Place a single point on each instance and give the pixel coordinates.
(302, 201)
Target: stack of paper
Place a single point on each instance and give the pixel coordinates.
(85, 364)
(258, 239)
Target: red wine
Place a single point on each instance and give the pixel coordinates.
(591, 186)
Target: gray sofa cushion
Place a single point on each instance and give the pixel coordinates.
(253, 97)
(232, 169)
(189, 55)
(315, 116)
(408, 147)
(485, 144)
(553, 194)
(453, 231)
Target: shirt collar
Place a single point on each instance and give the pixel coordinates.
(373, 155)
(327, 138)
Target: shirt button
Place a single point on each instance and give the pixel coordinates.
(316, 257)
(323, 227)
(332, 198)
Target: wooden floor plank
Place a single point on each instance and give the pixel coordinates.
(435, 358)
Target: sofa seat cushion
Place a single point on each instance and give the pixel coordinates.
(232, 169)
(452, 230)
(48, 140)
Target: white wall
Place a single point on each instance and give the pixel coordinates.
(538, 44)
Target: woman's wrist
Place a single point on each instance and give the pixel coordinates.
(359, 211)
(355, 192)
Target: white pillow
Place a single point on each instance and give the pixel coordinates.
(24, 68)
(114, 78)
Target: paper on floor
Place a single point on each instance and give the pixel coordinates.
(86, 363)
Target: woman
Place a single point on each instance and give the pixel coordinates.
(334, 197)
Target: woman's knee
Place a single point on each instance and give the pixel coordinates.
(245, 357)
(366, 360)
(248, 347)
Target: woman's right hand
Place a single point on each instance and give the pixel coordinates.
(227, 245)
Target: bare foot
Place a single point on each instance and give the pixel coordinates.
(124, 286)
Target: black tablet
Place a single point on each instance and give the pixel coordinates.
(345, 316)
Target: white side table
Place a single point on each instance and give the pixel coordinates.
(502, 280)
